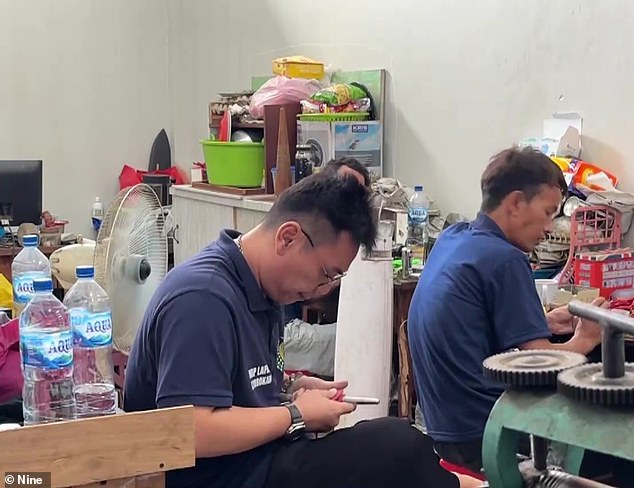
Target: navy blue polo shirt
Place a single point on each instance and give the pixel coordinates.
(476, 297)
(210, 337)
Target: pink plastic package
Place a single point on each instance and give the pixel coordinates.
(280, 90)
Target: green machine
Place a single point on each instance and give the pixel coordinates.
(559, 399)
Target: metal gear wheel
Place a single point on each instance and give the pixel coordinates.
(534, 367)
(587, 383)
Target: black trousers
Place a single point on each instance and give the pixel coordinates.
(469, 454)
(384, 452)
(465, 454)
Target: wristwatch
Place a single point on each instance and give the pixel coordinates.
(298, 427)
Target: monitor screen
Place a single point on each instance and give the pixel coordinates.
(21, 192)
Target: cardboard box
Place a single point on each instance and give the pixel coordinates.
(362, 141)
(298, 67)
(561, 136)
(330, 140)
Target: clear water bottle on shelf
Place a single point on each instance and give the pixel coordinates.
(28, 265)
(418, 215)
(91, 321)
(46, 347)
(97, 215)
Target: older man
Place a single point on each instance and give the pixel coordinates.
(476, 297)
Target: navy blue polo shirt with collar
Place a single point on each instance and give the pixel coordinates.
(210, 337)
(476, 297)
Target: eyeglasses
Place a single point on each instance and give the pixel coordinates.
(331, 279)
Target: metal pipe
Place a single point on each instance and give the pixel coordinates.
(613, 353)
(613, 343)
(539, 452)
(604, 317)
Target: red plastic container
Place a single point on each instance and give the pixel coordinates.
(608, 270)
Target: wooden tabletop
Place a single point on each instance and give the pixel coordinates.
(12, 251)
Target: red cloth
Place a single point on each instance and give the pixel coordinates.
(454, 468)
(130, 176)
(10, 371)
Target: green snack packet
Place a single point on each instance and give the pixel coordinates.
(338, 94)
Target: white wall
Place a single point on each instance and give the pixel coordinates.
(84, 87)
(467, 77)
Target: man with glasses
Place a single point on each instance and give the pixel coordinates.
(212, 337)
(476, 297)
(335, 167)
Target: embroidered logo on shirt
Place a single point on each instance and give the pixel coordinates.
(281, 356)
(260, 376)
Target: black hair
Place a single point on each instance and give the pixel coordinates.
(340, 202)
(514, 169)
(332, 167)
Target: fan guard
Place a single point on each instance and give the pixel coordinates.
(131, 258)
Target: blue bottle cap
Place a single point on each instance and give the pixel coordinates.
(42, 284)
(418, 188)
(85, 271)
(30, 240)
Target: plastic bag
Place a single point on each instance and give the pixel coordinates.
(280, 90)
(6, 292)
(339, 94)
(585, 176)
(11, 381)
(309, 347)
(313, 107)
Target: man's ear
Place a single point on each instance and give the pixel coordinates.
(515, 201)
(287, 237)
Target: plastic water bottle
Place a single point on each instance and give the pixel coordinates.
(46, 347)
(418, 215)
(28, 265)
(91, 321)
(97, 214)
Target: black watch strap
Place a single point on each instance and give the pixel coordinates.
(297, 427)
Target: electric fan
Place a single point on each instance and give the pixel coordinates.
(131, 258)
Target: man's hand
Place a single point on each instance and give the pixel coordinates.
(312, 383)
(320, 412)
(588, 330)
(561, 321)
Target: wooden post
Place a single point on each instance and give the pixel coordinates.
(283, 160)
(271, 133)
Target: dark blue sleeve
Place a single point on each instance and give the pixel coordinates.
(516, 309)
(196, 344)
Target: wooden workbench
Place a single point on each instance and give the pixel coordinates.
(127, 450)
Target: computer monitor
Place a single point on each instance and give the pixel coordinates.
(21, 192)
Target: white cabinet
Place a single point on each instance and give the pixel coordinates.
(247, 219)
(200, 215)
